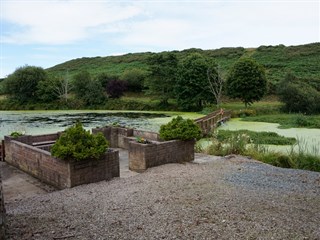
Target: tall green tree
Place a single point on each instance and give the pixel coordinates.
(192, 87)
(89, 90)
(163, 68)
(54, 88)
(80, 83)
(105, 77)
(247, 81)
(22, 84)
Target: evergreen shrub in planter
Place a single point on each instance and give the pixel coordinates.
(180, 129)
(78, 144)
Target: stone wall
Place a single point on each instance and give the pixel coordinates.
(96, 170)
(37, 139)
(116, 136)
(120, 137)
(144, 156)
(146, 134)
(57, 172)
(2, 213)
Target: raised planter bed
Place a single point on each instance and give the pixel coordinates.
(57, 172)
(144, 156)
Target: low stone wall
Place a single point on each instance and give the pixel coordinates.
(37, 139)
(144, 156)
(57, 172)
(106, 168)
(45, 138)
(120, 137)
(116, 136)
(146, 134)
(2, 213)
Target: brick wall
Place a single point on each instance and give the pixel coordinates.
(144, 156)
(116, 136)
(96, 170)
(2, 213)
(120, 137)
(45, 138)
(146, 134)
(56, 172)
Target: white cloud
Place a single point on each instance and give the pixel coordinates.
(157, 32)
(32, 29)
(59, 22)
(216, 24)
(168, 24)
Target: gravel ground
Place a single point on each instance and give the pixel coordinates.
(226, 198)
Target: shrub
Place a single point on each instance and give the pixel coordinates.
(298, 96)
(181, 129)
(16, 134)
(116, 88)
(78, 144)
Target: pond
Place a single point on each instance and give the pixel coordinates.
(309, 138)
(42, 122)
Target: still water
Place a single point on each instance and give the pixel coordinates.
(42, 122)
(309, 138)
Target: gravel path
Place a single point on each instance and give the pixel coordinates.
(224, 198)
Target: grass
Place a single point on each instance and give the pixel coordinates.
(240, 144)
(257, 137)
(268, 105)
(288, 120)
(302, 61)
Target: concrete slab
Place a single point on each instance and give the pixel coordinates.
(19, 185)
(124, 164)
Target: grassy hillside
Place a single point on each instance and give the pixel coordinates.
(303, 61)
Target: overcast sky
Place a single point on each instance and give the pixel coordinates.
(45, 33)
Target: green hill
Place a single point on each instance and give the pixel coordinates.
(303, 61)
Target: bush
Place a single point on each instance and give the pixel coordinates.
(298, 96)
(78, 144)
(116, 88)
(16, 134)
(181, 129)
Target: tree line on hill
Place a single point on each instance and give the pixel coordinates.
(194, 81)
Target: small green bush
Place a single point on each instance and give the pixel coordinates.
(307, 161)
(181, 129)
(16, 134)
(78, 144)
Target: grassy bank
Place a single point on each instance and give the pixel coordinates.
(256, 137)
(240, 143)
(288, 120)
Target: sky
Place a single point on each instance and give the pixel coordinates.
(48, 32)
